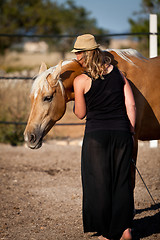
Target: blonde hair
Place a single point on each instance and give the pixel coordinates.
(96, 63)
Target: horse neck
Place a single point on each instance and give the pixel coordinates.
(69, 72)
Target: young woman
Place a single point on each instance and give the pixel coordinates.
(103, 95)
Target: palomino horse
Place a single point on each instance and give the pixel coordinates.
(53, 88)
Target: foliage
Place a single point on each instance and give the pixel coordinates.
(12, 134)
(44, 17)
(141, 25)
(151, 6)
(14, 106)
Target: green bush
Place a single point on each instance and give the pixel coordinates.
(12, 134)
(14, 107)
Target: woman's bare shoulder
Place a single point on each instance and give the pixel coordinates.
(81, 78)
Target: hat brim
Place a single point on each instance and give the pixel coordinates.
(84, 49)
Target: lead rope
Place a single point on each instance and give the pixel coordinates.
(144, 183)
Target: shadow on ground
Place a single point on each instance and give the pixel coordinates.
(148, 225)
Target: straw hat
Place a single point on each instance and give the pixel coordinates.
(85, 42)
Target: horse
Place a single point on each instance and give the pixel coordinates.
(53, 88)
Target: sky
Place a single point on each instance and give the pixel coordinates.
(112, 15)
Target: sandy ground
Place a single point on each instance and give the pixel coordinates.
(41, 192)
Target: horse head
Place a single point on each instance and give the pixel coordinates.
(48, 104)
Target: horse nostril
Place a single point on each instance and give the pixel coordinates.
(32, 138)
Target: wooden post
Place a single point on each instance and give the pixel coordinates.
(153, 52)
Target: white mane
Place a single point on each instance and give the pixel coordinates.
(41, 82)
(125, 53)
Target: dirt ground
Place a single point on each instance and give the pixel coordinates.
(41, 194)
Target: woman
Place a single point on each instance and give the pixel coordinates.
(104, 96)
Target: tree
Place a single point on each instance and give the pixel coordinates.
(151, 6)
(44, 17)
(142, 24)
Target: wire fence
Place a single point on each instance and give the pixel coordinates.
(75, 35)
(59, 37)
(16, 78)
(57, 124)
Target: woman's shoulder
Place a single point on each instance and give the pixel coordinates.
(81, 78)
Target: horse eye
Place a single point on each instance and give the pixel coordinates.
(48, 98)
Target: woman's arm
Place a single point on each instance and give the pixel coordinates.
(79, 88)
(130, 104)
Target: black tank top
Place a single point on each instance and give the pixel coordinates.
(105, 103)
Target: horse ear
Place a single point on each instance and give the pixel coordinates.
(57, 71)
(43, 67)
(53, 77)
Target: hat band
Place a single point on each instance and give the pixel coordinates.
(86, 48)
(80, 48)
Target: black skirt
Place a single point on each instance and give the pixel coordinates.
(106, 180)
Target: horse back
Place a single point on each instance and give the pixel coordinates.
(143, 76)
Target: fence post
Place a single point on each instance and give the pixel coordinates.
(153, 43)
(153, 52)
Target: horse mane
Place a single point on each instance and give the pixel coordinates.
(41, 82)
(126, 53)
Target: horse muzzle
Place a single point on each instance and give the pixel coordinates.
(33, 135)
(33, 140)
